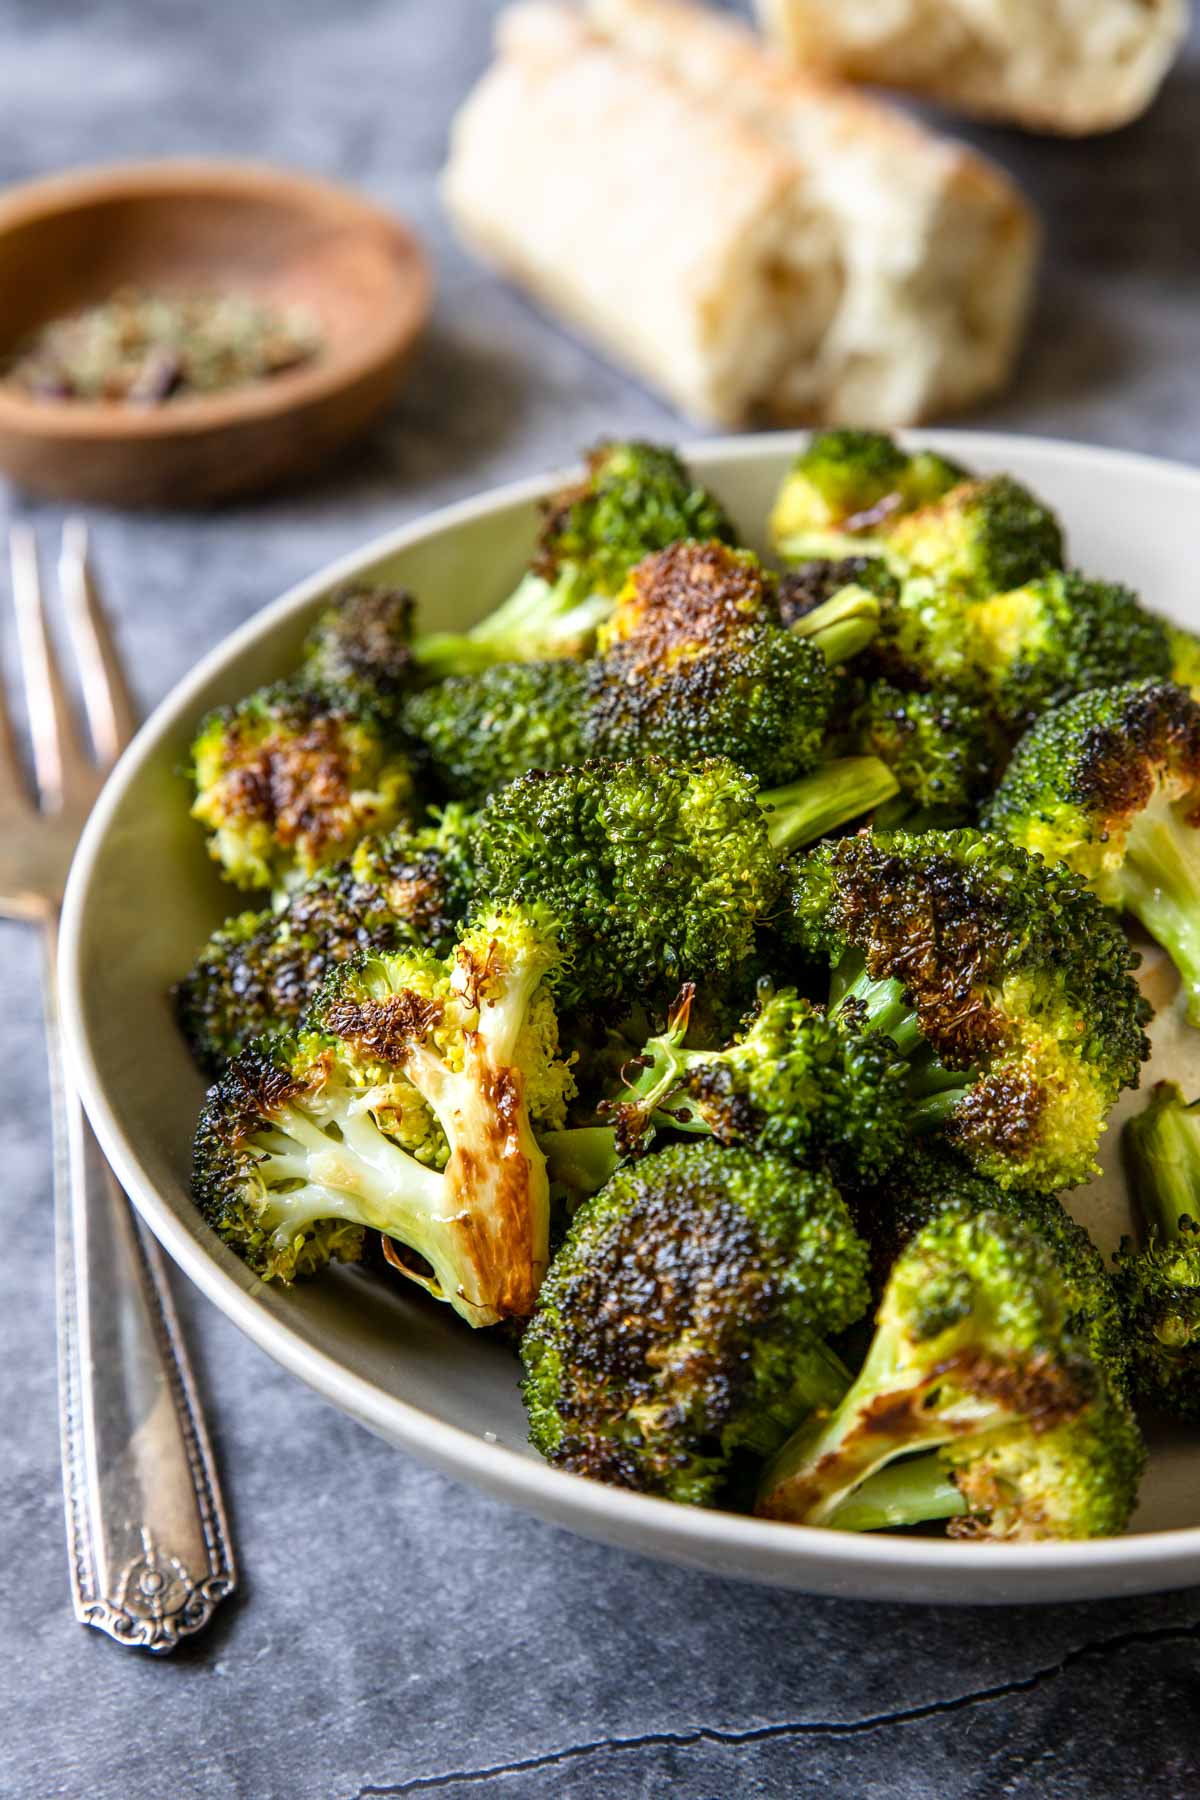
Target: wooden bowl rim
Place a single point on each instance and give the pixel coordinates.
(384, 342)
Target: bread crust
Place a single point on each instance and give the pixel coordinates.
(1071, 67)
(761, 247)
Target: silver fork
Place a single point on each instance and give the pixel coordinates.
(148, 1544)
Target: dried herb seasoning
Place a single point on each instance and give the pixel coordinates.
(144, 349)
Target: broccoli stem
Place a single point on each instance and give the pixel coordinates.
(913, 1491)
(582, 1157)
(1159, 883)
(1164, 1142)
(831, 796)
(829, 1458)
(842, 625)
(881, 1004)
(539, 619)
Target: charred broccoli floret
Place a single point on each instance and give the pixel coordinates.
(683, 1319)
(942, 748)
(658, 872)
(850, 483)
(1004, 981)
(694, 664)
(405, 1106)
(633, 498)
(290, 779)
(973, 1356)
(793, 1081)
(259, 972)
(1159, 1275)
(1109, 785)
(361, 645)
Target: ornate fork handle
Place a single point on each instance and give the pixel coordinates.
(149, 1547)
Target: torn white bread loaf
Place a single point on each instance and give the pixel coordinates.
(759, 247)
(1071, 66)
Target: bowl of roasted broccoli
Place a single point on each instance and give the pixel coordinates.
(672, 991)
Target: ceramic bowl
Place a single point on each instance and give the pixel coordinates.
(143, 896)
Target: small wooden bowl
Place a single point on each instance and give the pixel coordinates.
(70, 241)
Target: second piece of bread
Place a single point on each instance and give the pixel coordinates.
(759, 247)
(1070, 66)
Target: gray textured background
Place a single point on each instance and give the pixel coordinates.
(397, 1632)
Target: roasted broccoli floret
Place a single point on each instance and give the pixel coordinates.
(633, 498)
(682, 1320)
(931, 1179)
(1021, 651)
(942, 748)
(1109, 785)
(483, 730)
(1004, 981)
(406, 1105)
(973, 1355)
(1158, 1276)
(1078, 1479)
(981, 538)
(847, 483)
(793, 1081)
(361, 645)
(695, 663)
(258, 973)
(290, 779)
(1036, 645)
(659, 873)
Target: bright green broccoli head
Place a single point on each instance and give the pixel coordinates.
(681, 1320)
(290, 779)
(657, 872)
(258, 973)
(847, 483)
(633, 499)
(405, 1107)
(481, 731)
(792, 1082)
(361, 645)
(1034, 646)
(1005, 982)
(972, 1338)
(1109, 785)
(1158, 1274)
(942, 748)
(981, 538)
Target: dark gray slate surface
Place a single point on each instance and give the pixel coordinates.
(398, 1633)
